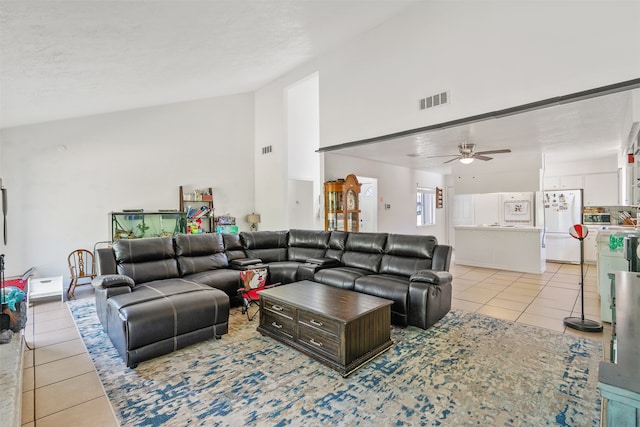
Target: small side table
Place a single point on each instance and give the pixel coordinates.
(43, 287)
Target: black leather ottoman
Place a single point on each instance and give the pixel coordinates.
(163, 316)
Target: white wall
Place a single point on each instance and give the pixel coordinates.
(490, 55)
(502, 174)
(60, 199)
(303, 139)
(602, 165)
(393, 189)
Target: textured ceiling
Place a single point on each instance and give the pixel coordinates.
(61, 59)
(592, 128)
(64, 59)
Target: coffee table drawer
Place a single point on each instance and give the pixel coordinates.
(278, 308)
(322, 323)
(319, 342)
(279, 325)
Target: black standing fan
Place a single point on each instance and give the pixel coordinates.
(578, 231)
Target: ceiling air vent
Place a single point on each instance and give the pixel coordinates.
(436, 100)
(267, 149)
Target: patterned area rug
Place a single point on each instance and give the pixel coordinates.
(468, 369)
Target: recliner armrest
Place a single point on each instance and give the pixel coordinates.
(112, 281)
(243, 263)
(324, 262)
(431, 276)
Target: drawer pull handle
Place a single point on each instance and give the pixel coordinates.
(276, 325)
(316, 323)
(316, 343)
(277, 307)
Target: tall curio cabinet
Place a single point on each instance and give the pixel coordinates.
(341, 204)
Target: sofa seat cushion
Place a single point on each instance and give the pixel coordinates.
(340, 277)
(391, 287)
(225, 279)
(283, 272)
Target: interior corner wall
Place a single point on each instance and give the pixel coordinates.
(64, 177)
(396, 187)
(303, 139)
(271, 170)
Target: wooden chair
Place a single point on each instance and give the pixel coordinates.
(82, 268)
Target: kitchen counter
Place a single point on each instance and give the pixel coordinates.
(514, 228)
(514, 248)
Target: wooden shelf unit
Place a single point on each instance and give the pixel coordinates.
(195, 201)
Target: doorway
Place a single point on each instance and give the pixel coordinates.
(368, 203)
(300, 201)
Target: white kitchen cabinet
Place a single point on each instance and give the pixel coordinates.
(608, 260)
(601, 189)
(591, 246)
(566, 182)
(486, 208)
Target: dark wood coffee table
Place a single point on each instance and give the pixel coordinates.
(339, 328)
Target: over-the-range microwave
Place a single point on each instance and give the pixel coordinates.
(596, 218)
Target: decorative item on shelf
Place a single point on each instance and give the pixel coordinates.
(439, 199)
(226, 224)
(254, 220)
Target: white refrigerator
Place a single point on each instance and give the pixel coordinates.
(562, 209)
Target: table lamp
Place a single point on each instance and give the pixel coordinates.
(254, 220)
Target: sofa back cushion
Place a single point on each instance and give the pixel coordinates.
(337, 245)
(199, 252)
(364, 250)
(406, 254)
(269, 246)
(306, 244)
(233, 247)
(146, 259)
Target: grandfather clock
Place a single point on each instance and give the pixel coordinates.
(342, 204)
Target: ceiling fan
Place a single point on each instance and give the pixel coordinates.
(468, 154)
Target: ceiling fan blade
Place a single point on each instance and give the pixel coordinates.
(452, 160)
(482, 157)
(506, 150)
(444, 155)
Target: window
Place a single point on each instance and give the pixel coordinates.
(426, 206)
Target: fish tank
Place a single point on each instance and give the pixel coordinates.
(139, 224)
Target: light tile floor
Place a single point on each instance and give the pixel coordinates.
(61, 387)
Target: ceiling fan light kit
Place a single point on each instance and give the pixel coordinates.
(466, 160)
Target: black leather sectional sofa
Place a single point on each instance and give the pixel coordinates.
(156, 295)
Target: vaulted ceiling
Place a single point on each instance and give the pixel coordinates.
(64, 59)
